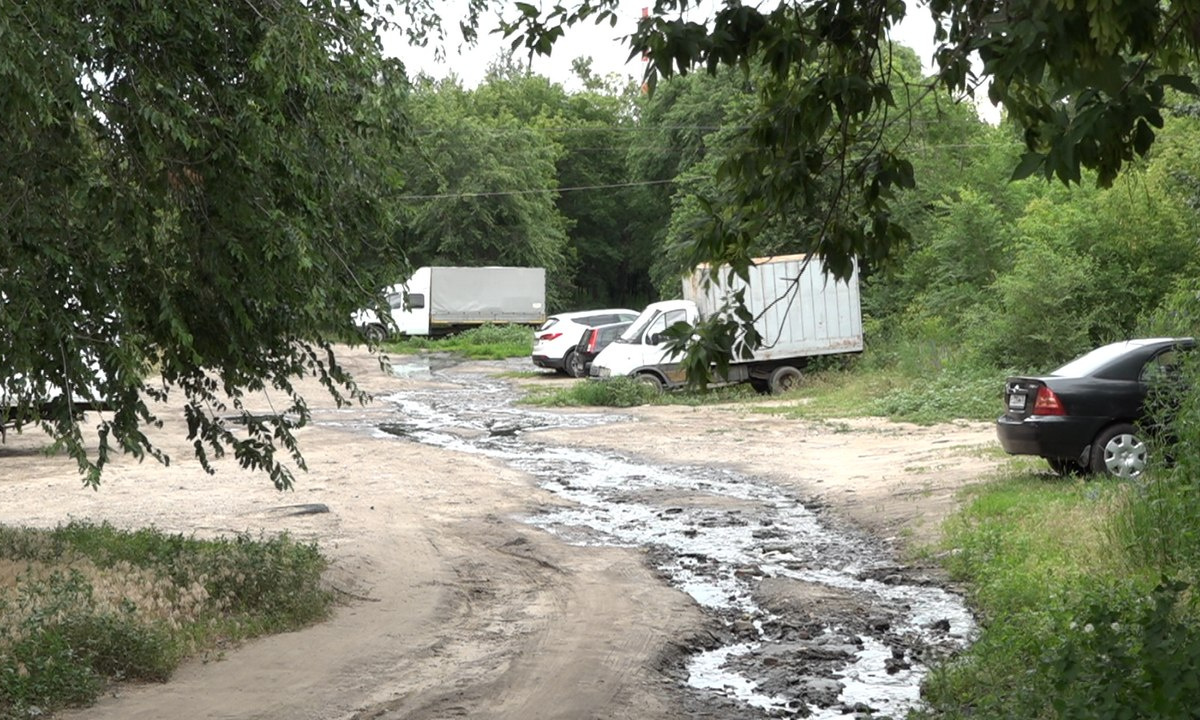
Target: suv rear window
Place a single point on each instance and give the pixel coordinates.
(595, 320)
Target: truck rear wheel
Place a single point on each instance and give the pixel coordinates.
(785, 379)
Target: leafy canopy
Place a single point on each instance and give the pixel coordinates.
(194, 190)
(823, 149)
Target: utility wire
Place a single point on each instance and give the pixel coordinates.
(508, 193)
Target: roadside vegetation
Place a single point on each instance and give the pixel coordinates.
(86, 605)
(487, 342)
(1085, 590)
(627, 392)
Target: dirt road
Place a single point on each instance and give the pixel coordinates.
(488, 571)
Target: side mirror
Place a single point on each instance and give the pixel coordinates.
(654, 338)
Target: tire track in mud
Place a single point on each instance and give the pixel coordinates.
(809, 619)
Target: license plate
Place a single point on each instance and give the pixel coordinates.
(1016, 402)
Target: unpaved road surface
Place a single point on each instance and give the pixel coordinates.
(499, 561)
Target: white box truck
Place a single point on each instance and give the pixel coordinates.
(441, 300)
(799, 313)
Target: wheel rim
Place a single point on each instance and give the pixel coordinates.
(1125, 456)
(576, 365)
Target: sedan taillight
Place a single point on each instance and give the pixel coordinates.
(1047, 403)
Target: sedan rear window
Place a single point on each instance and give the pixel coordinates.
(1093, 361)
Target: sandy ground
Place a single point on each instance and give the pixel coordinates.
(454, 608)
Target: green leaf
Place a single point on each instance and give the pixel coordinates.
(1030, 163)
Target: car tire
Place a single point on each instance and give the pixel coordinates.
(1120, 451)
(1065, 467)
(650, 380)
(567, 360)
(784, 379)
(575, 364)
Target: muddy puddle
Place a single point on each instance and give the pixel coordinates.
(809, 619)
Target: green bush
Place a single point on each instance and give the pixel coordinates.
(957, 393)
(614, 392)
(486, 342)
(1129, 654)
(96, 604)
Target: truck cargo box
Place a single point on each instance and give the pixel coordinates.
(477, 295)
(803, 311)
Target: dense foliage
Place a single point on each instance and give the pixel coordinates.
(198, 191)
(93, 604)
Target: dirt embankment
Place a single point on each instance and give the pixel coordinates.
(454, 608)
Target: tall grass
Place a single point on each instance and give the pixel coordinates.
(1087, 592)
(486, 342)
(85, 605)
(627, 392)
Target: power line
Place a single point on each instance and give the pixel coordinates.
(501, 193)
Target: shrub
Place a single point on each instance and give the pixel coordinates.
(486, 342)
(958, 392)
(94, 604)
(614, 392)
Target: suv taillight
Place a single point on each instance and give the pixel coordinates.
(591, 344)
(550, 336)
(1047, 403)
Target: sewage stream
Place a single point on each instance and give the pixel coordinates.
(720, 537)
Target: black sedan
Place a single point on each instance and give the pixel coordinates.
(1088, 415)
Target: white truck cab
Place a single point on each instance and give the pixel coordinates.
(410, 311)
(641, 351)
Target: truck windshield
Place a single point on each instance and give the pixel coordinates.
(634, 332)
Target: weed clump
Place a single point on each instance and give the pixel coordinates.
(85, 605)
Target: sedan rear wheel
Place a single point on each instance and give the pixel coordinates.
(1120, 452)
(576, 365)
(1065, 467)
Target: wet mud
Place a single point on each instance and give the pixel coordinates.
(808, 617)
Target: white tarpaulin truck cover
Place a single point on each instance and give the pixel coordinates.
(472, 295)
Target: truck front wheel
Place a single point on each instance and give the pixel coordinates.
(375, 333)
(784, 379)
(651, 380)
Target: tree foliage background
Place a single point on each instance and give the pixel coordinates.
(196, 197)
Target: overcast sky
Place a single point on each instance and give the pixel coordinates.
(602, 43)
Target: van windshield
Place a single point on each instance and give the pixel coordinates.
(634, 332)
